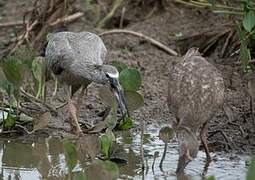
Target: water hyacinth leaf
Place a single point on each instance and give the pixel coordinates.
(134, 100)
(106, 96)
(12, 70)
(70, 154)
(42, 121)
(125, 123)
(130, 79)
(9, 122)
(166, 134)
(251, 171)
(119, 65)
(249, 20)
(106, 143)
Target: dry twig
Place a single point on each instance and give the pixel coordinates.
(147, 38)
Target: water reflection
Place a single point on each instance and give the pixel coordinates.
(55, 159)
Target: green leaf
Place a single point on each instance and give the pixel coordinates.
(119, 65)
(106, 143)
(111, 120)
(241, 33)
(5, 85)
(9, 122)
(251, 171)
(245, 54)
(166, 134)
(211, 178)
(12, 70)
(70, 154)
(130, 79)
(125, 123)
(79, 176)
(38, 66)
(110, 134)
(106, 96)
(249, 20)
(134, 100)
(39, 71)
(253, 35)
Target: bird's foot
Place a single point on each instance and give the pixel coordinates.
(79, 133)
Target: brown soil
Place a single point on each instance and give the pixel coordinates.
(154, 65)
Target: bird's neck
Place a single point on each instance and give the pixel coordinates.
(188, 139)
(97, 75)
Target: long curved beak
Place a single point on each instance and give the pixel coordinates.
(119, 95)
(181, 165)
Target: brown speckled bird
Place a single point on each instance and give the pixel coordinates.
(77, 59)
(195, 92)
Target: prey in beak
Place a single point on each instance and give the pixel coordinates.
(118, 92)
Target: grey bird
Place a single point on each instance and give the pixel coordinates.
(77, 59)
(195, 93)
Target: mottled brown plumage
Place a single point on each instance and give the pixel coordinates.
(195, 92)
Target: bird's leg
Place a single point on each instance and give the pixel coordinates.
(73, 117)
(80, 98)
(79, 103)
(203, 133)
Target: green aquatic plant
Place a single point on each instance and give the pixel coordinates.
(130, 80)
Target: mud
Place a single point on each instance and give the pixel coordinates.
(154, 65)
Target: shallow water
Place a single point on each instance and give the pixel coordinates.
(61, 159)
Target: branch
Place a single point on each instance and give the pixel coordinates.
(116, 4)
(67, 19)
(31, 97)
(10, 24)
(147, 38)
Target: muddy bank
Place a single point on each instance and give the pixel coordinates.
(227, 134)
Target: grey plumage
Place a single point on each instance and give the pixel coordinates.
(195, 92)
(77, 60)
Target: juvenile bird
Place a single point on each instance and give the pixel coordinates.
(77, 59)
(195, 92)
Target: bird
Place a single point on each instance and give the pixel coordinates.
(77, 59)
(195, 94)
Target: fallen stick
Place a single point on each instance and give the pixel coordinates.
(10, 24)
(147, 38)
(67, 19)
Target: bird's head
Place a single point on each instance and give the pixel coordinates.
(188, 149)
(112, 78)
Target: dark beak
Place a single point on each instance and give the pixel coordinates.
(119, 95)
(181, 165)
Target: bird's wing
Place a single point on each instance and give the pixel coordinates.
(195, 87)
(67, 48)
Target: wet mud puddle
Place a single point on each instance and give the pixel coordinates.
(71, 159)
